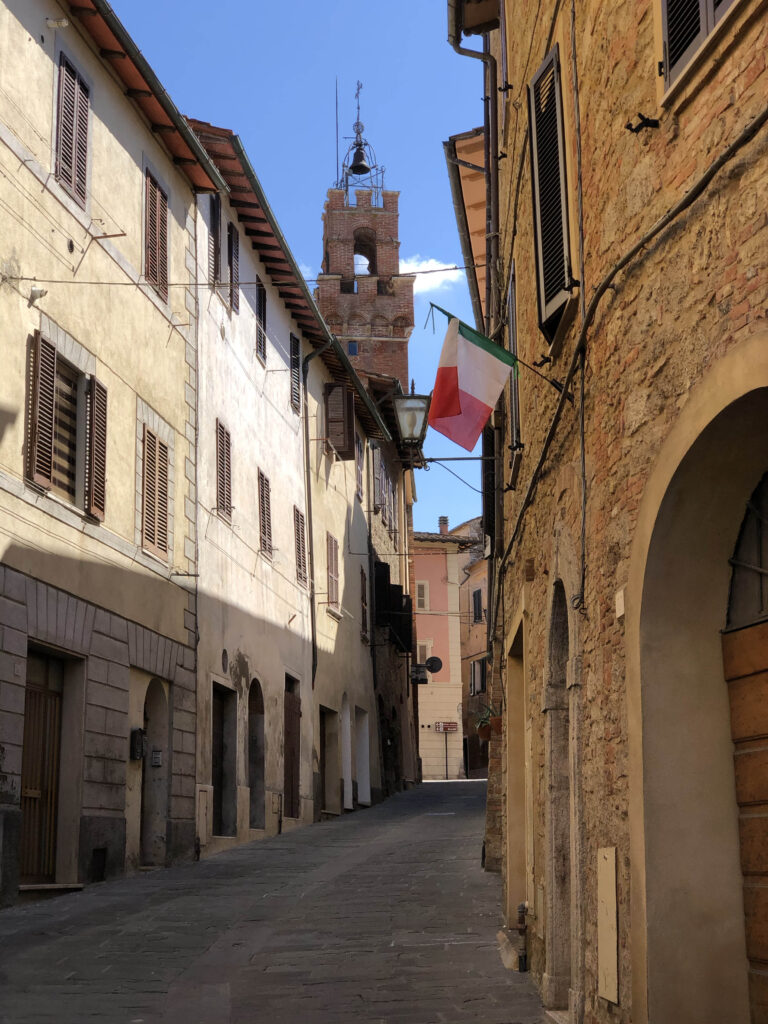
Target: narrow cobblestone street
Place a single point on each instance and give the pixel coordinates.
(381, 916)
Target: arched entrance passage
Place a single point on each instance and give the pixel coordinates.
(155, 776)
(689, 947)
(346, 754)
(255, 754)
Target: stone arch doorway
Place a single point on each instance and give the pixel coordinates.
(688, 909)
(255, 755)
(346, 754)
(556, 982)
(155, 776)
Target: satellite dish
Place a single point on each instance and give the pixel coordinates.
(433, 664)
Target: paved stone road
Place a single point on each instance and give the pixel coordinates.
(381, 917)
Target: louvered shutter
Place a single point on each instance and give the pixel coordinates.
(72, 132)
(96, 464)
(214, 239)
(154, 520)
(332, 557)
(684, 24)
(295, 373)
(265, 515)
(150, 242)
(261, 320)
(301, 546)
(363, 601)
(233, 257)
(162, 497)
(381, 592)
(376, 478)
(550, 203)
(162, 243)
(156, 237)
(421, 596)
(340, 421)
(43, 412)
(223, 471)
(81, 141)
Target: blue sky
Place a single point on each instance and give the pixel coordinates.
(268, 72)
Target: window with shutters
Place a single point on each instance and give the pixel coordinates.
(295, 373)
(514, 380)
(332, 556)
(363, 604)
(72, 132)
(233, 267)
(422, 596)
(359, 466)
(214, 240)
(67, 430)
(265, 516)
(156, 236)
(299, 534)
(477, 677)
(223, 471)
(261, 320)
(154, 516)
(550, 201)
(340, 421)
(477, 605)
(685, 26)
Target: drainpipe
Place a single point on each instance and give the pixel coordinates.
(308, 487)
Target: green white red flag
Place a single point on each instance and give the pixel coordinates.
(470, 377)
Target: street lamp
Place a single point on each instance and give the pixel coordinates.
(411, 413)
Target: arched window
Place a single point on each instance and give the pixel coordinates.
(365, 251)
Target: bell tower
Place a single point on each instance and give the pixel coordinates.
(364, 301)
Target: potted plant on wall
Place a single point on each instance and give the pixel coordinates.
(487, 721)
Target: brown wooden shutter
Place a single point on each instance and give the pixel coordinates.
(96, 464)
(233, 258)
(265, 515)
(81, 141)
(261, 320)
(162, 497)
(214, 239)
(156, 237)
(550, 201)
(363, 601)
(223, 471)
(72, 132)
(43, 412)
(154, 520)
(295, 373)
(340, 420)
(376, 451)
(332, 552)
(684, 26)
(299, 534)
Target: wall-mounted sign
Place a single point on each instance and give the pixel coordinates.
(446, 726)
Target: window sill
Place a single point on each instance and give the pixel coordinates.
(335, 613)
(160, 559)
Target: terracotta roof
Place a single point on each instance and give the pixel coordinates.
(444, 538)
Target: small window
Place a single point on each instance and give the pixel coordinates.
(223, 471)
(685, 25)
(265, 515)
(295, 373)
(261, 321)
(359, 466)
(72, 132)
(340, 421)
(363, 602)
(233, 267)
(156, 237)
(477, 605)
(214, 240)
(352, 348)
(422, 596)
(154, 520)
(332, 553)
(477, 677)
(299, 534)
(63, 458)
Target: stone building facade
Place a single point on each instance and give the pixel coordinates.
(626, 608)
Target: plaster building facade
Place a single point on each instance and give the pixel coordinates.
(438, 634)
(473, 618)
(98, 175)
(626, 612)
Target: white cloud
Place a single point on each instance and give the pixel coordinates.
(306, 271)
(441, 275)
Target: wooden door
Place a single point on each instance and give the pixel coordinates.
(217, 760)
(40, 770)
(291, 754)
(745, 660)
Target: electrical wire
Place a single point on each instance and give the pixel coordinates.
(466, 484)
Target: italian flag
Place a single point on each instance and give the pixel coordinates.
(472, 373)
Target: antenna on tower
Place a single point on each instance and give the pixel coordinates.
(360, 160)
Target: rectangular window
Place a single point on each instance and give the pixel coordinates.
(154, 519)
(359, 466)
(214, 240)
(156, 237)
(422, 596)
(514, 380)
(477, 605)
(265, 515)
(299, 534)
(477, 677)
(261, 321)
(340, 421)
(685, 26)
(550, 204)
(72, 132)
(63, 457)
(223, 471)
(363, 602)
(332, 552)
(295, 373)
(233, 267)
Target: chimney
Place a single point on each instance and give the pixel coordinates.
(442, 522)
